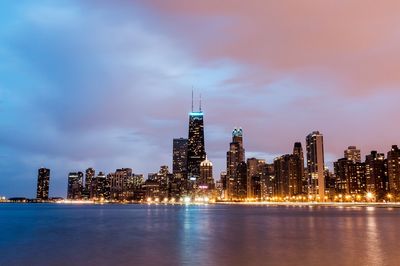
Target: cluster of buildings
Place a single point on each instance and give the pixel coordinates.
(290, 177)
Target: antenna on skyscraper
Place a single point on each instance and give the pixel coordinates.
(200, 103)
(192, 99)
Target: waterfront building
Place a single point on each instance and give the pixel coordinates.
(299, 157)
(179, 157)
(234, 157)
(376, 175)
(42, 192)
(206, 175)
(100, 187)
(350, 177)
(223, 179)
(255, 175)
(195, 148)
(316, 165)
(393, 170)
(89, 175)
(288, 178)
(240, 185)
(119, 189)
(75, 185)
(267, 182)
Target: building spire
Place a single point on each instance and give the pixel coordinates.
(192, 99)
(200, 103)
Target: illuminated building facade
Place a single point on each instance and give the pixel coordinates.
(393, 170)
(89, 175)
(206, 179)
(42, 192)
(375, 174)
(353, 154)
(196, 150)
(255, 175)
(234, 157)
(179, 157)
(75, 185)
(316, 165)
(299, 157)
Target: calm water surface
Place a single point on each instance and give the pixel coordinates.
(51, 234)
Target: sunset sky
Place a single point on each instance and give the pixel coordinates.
(107, 84)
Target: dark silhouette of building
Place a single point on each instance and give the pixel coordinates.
(75, 185)
(315, 165)
(234, 157)
(393, 170)
(42, 192)
(298, 153)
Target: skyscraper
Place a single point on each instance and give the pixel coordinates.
(234, 157)
(75, 185)
(42, 191)
(299, 157)
(89, 176)
(179, 157)
(393, 165)
(206, 174)
(315, 165)
(196, 150)
(376, 175)
(288, 176)
(255, 174)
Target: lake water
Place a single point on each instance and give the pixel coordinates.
(53, 234)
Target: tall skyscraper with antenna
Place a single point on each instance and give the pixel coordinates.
(196, 149)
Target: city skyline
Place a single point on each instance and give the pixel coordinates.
(73, 98)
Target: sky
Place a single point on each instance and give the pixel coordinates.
(107, 84)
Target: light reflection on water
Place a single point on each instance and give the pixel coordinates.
(34, 234)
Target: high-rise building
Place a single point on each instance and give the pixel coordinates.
(353, 154)
(42, 192)
(267, 183)
(288, 178)
(255, 175)
(206, 174)
(89, 175)
(315, 165)
(299, 158)
(119, 188)
(224, 181)
(196, 150)
(350, 177)
(240, 185)
(100, 187)
(179, 157)
(75, 185)
(393, 167)
(376, 174)
(234, 157)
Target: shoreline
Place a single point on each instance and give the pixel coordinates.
(266, 204)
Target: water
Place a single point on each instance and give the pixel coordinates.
(51, 234)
